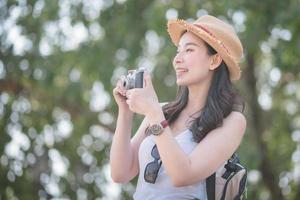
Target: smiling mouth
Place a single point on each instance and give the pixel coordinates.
(181, 70)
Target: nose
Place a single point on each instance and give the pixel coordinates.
(177, 59)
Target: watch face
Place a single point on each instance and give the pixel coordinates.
(156, 129)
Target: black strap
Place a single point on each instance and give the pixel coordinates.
(226, 184)
(238, 169)
(242, 188)
(232, 168)
(210, 187)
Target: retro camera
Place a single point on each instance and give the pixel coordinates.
(134, 79)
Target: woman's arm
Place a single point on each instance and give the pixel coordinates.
(124, 153)
(207, 157)
(120, 153)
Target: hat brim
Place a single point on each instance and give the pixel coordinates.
(177, 27)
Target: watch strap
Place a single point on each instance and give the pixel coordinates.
(164, 123)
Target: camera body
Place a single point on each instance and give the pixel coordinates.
(134, 79)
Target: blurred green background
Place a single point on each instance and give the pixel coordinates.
(59, 61)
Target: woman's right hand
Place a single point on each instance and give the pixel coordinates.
(119, 93)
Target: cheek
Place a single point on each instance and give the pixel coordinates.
(199, 68)
(198, 62)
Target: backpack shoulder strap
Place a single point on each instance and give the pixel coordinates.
(242, 187)
(210, 187)
(233, 166)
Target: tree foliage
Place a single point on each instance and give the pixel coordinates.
(59, 61)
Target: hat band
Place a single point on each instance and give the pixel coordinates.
(212, 35)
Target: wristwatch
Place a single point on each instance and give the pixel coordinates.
(157, 129)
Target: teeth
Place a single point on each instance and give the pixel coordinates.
(182, 70)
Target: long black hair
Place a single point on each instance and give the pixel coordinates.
(222, 99)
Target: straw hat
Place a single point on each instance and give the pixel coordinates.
(218, 34)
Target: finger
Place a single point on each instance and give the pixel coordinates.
(115, 91)
(147, 80)
(119, 91)
(128, 94)
(122, 92)
(121, 87)
(121, 81)
(133, 92)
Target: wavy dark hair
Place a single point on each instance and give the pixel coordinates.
(222, 99)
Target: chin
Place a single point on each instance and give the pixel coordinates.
(181, 83)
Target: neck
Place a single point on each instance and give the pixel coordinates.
(197, 97)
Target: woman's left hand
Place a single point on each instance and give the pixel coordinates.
(144, 100)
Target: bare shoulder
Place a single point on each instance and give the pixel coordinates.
(236, 116)
(237, 121)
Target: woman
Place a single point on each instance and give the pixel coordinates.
(178, 146)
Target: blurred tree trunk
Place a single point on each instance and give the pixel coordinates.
(269, 174)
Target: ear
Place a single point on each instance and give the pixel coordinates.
(216, 61)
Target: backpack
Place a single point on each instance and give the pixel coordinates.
(229, 182)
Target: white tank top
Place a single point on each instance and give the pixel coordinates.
(163, 188)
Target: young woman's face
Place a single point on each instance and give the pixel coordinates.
(192, 62)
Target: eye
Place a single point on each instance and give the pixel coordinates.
(189, 50)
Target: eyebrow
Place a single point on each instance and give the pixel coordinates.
(190, 43)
